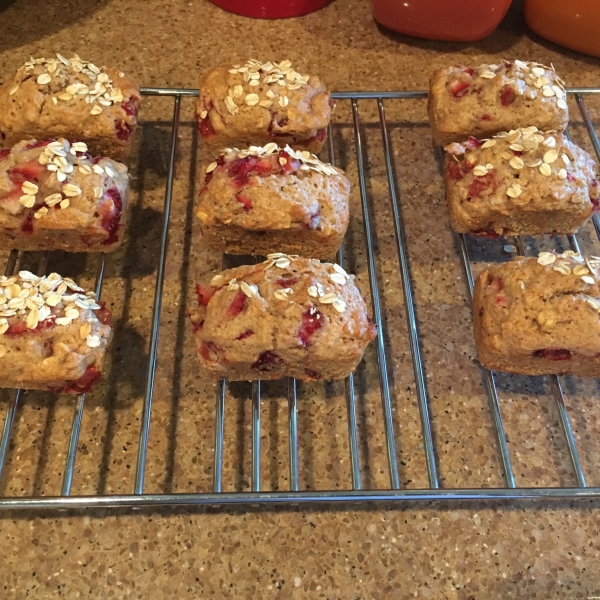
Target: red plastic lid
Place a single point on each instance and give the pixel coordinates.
(271, 9)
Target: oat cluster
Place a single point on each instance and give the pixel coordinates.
(62, 160)
(309, 162)
(562, 263)
(266, 75)
(84, 79)
(527, 140)
(283, 261)
(36, 299)
(535, 75)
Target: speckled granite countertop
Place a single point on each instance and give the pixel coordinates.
(458, 551)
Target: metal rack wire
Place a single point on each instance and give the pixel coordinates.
(217, 497)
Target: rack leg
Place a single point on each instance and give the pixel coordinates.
(256, 436)
(293, 434)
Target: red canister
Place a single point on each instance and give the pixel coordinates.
(271, 9)
(448, 20)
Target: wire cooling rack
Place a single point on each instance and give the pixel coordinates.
(357, 494)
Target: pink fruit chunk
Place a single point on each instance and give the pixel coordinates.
(4, 152)
(131, 106)
(481, 184)
(265, 360)
(205, 293)
(245, 201)
(486, 233)
(287, 282)
(237, 305)
(85, 383)
(473, 142)
(205, 127)
(37, 144)
(507, 95)
(291, 165)
(124, 130)
(245, 335)
(553, 353)
(497, 284)
(312, 374)
(459, 87)
(110, 209)
(457, 170)
(312, 321)
(208, 351)
(29, 171)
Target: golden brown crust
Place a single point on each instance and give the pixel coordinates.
(287, 316)
(52, 98)
(539, 316)
(483, 100)
(524, 182)
(54, 196)
(251, 203)
(282, 106)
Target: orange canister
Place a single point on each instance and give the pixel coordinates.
(571, 23)
(448, 20)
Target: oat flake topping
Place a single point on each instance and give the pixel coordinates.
(524, 141)
(583, 269)
(309, 162)
(255, 74)
(62, 159)
(95, 86)
(36, 299)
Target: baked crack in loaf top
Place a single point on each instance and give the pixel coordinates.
(71, 98)
(480, 101)
(287, 316)
(498, 186)
(256, 103)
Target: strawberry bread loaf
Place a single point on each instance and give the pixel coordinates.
(256, 103)
(480, 101)
(520, 182)
(70, 98)
(268, 199)
(53, 334)
(539, 316)
(55, 196)
(287, 316)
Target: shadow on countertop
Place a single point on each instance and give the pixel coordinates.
(26, 21)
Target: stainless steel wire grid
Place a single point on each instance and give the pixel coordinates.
(358, 493)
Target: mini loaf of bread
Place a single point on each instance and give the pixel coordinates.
(480, 101)
(71, 98)
(257, 103)
(287, 316)
(55, 196)
(53, 335)
(539, 316)
(267, 199)
(521, 182)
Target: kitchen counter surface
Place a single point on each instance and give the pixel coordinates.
(527, 550)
